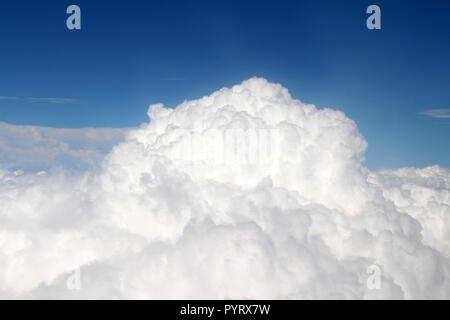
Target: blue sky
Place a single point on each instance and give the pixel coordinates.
(133, 53)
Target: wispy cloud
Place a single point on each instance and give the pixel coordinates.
(42, 100)
(174, 79)
(437, 113)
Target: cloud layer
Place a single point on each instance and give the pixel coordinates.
(246, 193)
(33, 148)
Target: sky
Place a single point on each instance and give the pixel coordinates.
(130, 54)
(250, 192)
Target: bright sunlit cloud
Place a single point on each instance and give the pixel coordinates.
(246, 193)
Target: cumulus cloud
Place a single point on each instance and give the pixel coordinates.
(246, 193)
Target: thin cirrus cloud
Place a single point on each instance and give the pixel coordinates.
(174, 79)
(437, 113)
(42, 100)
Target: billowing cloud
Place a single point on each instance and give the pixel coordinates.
(246, 193)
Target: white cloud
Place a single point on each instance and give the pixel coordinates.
(423, 194)
(437, 113)
(36, 148)
(42, 100)
(246, 193)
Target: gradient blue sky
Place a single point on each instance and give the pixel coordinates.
(133, 53)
